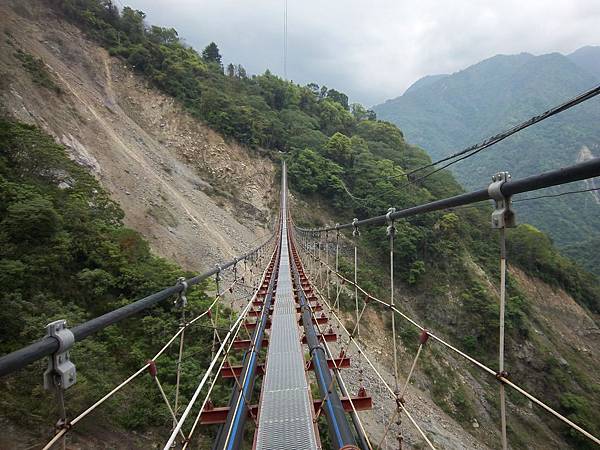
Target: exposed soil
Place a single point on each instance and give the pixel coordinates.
(197, 198)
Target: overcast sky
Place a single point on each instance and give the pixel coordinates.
(373, 50)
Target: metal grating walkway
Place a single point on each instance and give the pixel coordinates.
(285, 421)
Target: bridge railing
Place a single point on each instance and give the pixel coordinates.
(50, 345)
(501, 191)
(576, 172)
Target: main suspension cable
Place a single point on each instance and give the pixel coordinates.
(476, 148)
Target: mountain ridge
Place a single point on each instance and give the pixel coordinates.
(485, 98)
(445, 264)
(587, 57)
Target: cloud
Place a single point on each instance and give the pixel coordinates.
(375, 50)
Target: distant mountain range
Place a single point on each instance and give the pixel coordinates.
(445, 113)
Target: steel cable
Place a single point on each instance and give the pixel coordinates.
(86, 412)
(480, 365)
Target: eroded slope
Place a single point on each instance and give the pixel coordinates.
(195, 197)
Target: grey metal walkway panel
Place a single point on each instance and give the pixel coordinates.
(285, 421)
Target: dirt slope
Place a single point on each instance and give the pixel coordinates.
(195, 197)
(199, 199)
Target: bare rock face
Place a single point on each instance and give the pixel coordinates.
(80, 154)
(197, 199)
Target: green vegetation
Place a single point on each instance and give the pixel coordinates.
(533, 250)
(37, 69)
(580, 411)
(64, 253)
(586, 253)
(446, 389)
(257, 111)
(336, 152)
(449, 112)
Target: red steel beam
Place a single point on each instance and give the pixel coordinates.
(342, 363)
(236, 371)
(260, 301)
(316, 307)
(329, 337)
(240, 344)
(252, 325)
(218, 415)
(360, 403)
(320, 320)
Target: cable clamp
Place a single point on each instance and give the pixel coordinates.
(501, 375)
(391, 229)
(61, 372)
(218, 274)
(63, 424)
(399, 400)
(423, 337)
(152, 370)
(356, 231)
(503, 215)
(181, 301)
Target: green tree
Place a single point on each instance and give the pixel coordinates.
(358, 111)
(339, 149)
(163, 36)
(211, 54)
(139, 57)
(338, 97)
(230, 70)
(335, 118)
(132, 23)
(313, 173)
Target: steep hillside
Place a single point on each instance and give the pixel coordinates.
(140, 122)
(65, 254)
(588, 58)
(452, 112)
(180, 184)
(425, 81)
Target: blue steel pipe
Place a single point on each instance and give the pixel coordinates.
(231, 434)
(340, 432)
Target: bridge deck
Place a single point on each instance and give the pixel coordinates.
(286, 408)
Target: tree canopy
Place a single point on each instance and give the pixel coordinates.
(211, 54)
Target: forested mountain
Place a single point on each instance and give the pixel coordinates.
(343, 162)
(587, 58)
(447, 113)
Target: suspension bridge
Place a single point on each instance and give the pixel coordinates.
(296, 340)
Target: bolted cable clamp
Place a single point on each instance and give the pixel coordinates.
(63, 424)
(356, 231)
(399, 400)
(500, 375)
(61, 372)
(503, 215)
(152, 370)
(391, 229)
(234, 269)
(181, 301)
(423, 337)
(218, 274)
